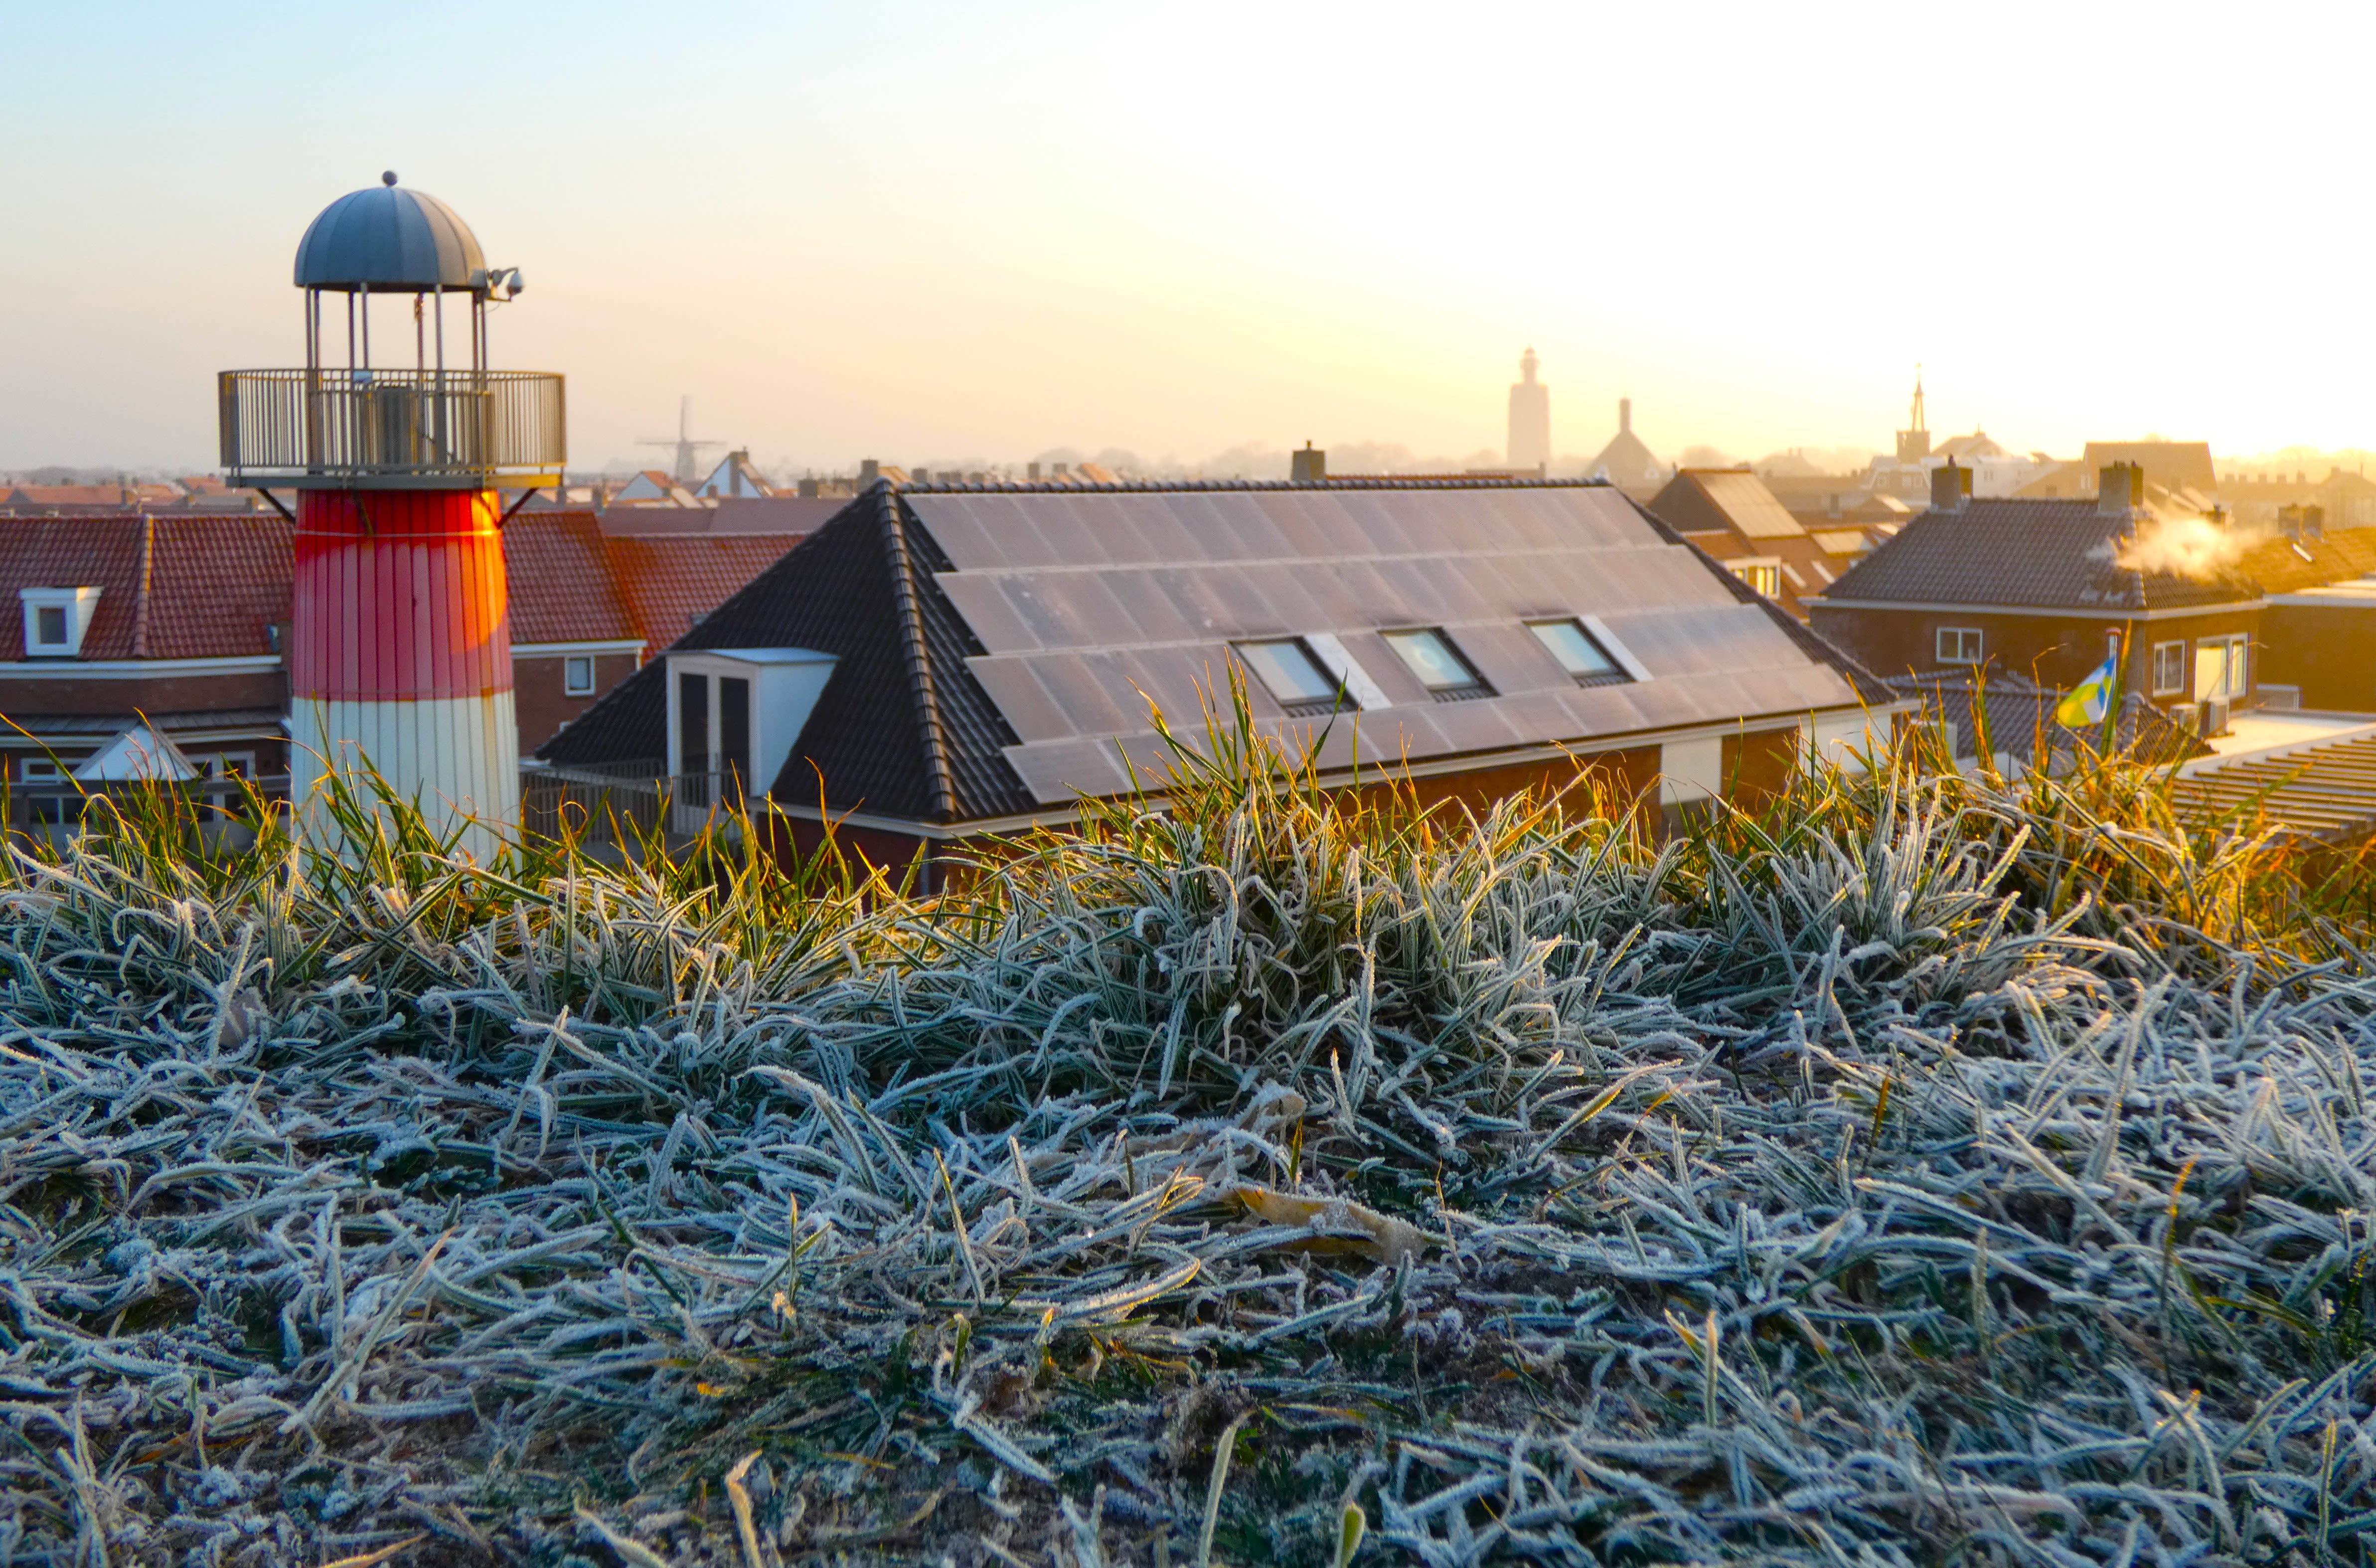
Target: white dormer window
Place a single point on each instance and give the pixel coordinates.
(55, 620)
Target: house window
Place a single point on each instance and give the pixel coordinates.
(578, 675)
(2218, 667)
(1431, 656)
(1959, 645)
(50, 625)
(2169, 669)
(1765, 577)
(1578, 652)
(1293, 676)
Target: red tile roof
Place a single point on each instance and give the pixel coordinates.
(170, 587)
(193, 586)
(560, 585)
(672, 581)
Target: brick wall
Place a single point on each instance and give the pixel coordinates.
(2056, 651)
(540, 691)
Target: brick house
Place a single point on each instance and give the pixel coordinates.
(178, 616)
(2318, 629)
(1732, 515)
(173, 621)
(2038, 588)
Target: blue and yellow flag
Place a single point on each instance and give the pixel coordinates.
(2087, 702)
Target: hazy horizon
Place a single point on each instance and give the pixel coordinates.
(1001, 229)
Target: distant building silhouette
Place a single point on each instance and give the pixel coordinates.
(1625, 462)
(1914, 445)
(1530, 418)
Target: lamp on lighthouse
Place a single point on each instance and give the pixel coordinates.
(399, 647)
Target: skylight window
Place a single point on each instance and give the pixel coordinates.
(1431, 656)
(1578, 652)
(1289, 672)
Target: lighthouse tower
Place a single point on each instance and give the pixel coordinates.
(399, 649)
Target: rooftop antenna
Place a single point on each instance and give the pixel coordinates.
(686, 446)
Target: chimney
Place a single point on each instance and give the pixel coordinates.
(1031, 472)
(1309, 466)
(2313, 522)
(869, 470)
(1624, 415)
(809, 490)
(1950, 487)
(2119, 489)
(922, 476)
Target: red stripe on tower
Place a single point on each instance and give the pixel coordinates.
(400, 596)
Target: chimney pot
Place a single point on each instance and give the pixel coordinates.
(2119, 489)
(1950, 487)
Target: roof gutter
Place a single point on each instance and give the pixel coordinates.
(1337, 778)
(2223, 607)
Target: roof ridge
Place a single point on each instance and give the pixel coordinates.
(1146, 486)
(940, 773)
(147, 578)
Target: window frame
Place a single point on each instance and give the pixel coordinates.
(2235, 677)
(1979, 645)
(1615, 675)
(2175, 686)
(1471, 685)
(570, 685)
(1766, 567)
(1339, 696)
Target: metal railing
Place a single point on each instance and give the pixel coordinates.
(401, 426)
(606, 807)
(219, 809)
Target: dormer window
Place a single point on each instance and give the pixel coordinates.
(55, 620)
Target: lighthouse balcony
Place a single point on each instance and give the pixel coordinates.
(392, 429)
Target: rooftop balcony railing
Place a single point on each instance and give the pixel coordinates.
(392, 428)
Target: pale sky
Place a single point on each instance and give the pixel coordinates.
(922, 230)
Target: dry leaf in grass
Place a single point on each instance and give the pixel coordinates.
(1337, 1225)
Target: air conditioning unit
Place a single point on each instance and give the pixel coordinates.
(2215, 716)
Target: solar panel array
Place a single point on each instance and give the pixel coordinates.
(1094, 605)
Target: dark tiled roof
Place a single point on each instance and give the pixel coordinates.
(2020, 715)
(2041, 554)
(902, 729)
(562, 589)
(1734, 500)
(2285, 566)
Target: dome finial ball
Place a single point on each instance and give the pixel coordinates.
(388, 177)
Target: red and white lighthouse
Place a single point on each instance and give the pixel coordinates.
(400, 650)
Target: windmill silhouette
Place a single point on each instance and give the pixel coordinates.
(687, 449)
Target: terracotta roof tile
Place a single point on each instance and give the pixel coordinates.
(561, 587)
(215, 584)
(670, 581)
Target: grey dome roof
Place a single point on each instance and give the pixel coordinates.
(389, 238)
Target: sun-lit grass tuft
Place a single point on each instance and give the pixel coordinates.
(1917, 1167)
